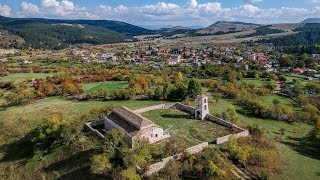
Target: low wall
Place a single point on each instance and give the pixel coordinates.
(156, 167)
(225, 139)
(184, 108)
(150, 108)
(88, 127)
(220, 121)
(241, 132)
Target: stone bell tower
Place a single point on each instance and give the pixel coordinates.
(202, 108)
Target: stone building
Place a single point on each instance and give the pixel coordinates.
(202, 107)
(136, 126)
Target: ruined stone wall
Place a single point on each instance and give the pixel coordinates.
(151, 108)
(241, 132)
(89, 127)
(225, 139)
(184, 108)
(220, 121)
(154, 168)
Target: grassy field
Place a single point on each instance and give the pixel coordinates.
(182, 125)
(300, 78)
(256, 82)
(298, 162)
(29, 116)
(283, 100)
(18, 121)
(19, 77)
(110, 86)
(15, 122)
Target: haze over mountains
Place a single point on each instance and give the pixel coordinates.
(57, 34)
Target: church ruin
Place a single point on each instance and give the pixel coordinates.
(136, 126)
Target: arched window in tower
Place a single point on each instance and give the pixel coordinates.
(205, 100)
(205, 107)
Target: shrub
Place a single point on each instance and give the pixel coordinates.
(129, 174)
(100, 164)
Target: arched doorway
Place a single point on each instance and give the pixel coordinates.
(198, 114)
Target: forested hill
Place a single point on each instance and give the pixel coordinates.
(58, 34)
(307, 35)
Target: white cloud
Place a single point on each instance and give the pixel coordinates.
(253, 1)
(5, 10)
(192, 3)
(65, 9)
(50, 3)
(315, 1)
(28, 10)
(161, 13)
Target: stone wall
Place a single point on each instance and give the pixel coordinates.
(184, 108)
(154, 168)
(225, 139)
(151, 108)
(241, 132)
(220, 121)
(89, 127)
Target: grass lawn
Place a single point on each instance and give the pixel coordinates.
(256, 82)
(110, 86)
(283, 100)
(29, 116)
(298, 162)
(182, 125)
(19, 77)
(301, 78)
(18, 121)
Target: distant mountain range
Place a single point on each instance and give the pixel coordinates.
(311, 20)
(57, 34)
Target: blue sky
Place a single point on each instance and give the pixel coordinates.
(166, 12)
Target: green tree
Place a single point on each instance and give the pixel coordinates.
(158, 94)
(194, 88)
(231, 115)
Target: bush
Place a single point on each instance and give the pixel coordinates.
(100, 164)
(129, 174)
(122, 94)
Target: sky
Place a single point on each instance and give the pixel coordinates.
(155, 13)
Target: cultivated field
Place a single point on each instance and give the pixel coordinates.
(109, 86)
(19, 77)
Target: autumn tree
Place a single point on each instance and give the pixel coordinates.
(179, 77)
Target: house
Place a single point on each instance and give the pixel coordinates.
(252, 57)
(238, 59)
(172, 62)
(134, 125)
(176, 58)
(298, 70)
(263, 58)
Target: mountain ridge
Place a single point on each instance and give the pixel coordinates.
(118, 26)
(311, 20)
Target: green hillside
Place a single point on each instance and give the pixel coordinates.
(58, 34)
